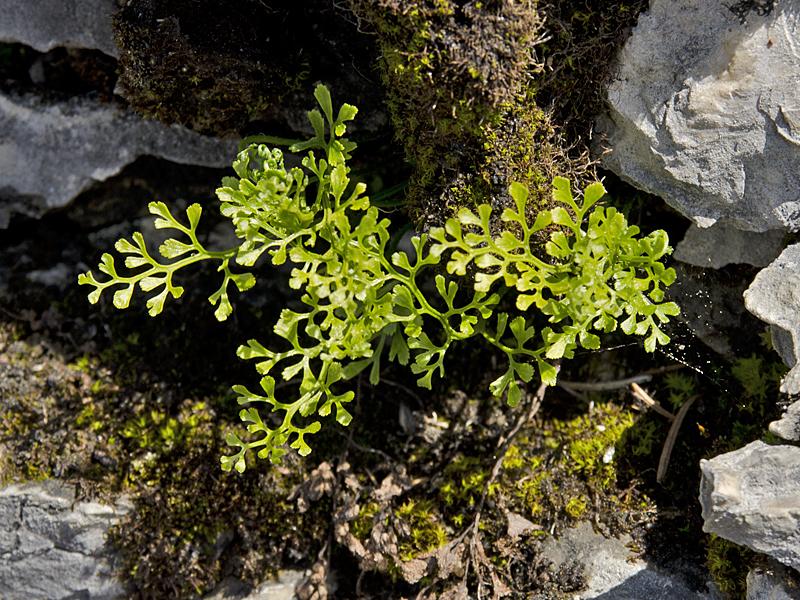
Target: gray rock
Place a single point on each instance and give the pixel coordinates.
(53, 547)
(772, 583)
(788, 426)
(611, 571)
(705, 112)
(752, 497)
(721, 245)
(280, 589)
(48, 24)
(50, 153)
(774, 297)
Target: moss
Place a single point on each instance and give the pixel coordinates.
(584, 38)
(190, 526)
(591, 456)
(362, 525)
(569, 469)
(555, 473)
(467, 82)
(577, 507)
(458, 84)
(36, 390)
(728, 565)
(216, 69)
(421, 527)
(462, 488)
(744, 420)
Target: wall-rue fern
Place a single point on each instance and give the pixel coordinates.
(364, 305)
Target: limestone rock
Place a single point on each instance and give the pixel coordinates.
(752, 497)
(610, 570)
(774, 297)
(705, 112)
(280, 589)
(788, 426)
(53, 547)
(48, 24)
(721, 245)
(50, 153)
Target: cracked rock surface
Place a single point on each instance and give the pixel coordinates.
(51, 152)
(751, 496)
(718, 246)
(774, 297)
(282, 588)
(788, 426)
(53, 547)
(48, 24)
(612, 572)
(705, 113)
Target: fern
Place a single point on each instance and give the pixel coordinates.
(363, 304)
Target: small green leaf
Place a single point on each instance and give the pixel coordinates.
(224, 308)
(543, 219)
(557, 346)
(499, 385)
(524, 371)
(589, 340)
(520, 195)
(514, 394)
(524, 301)
(347, 112)
(170, 249)
(94, 296)
(399, 349)
(593, 192)
(547, 372)
(155, 304)
(148, 284)
(323, 96)
(193, 212)
(165, 220)
(134, 262)
(123, 246)
(502, 320)
(352, 369)
(343, 417)
(122, 298)
(562, 217)
(562, 191)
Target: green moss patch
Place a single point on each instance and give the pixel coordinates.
(191, 525)
(458, 79)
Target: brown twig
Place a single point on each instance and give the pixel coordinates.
(648, 401)
(669, 443)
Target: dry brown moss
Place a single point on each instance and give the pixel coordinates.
(217, 66)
